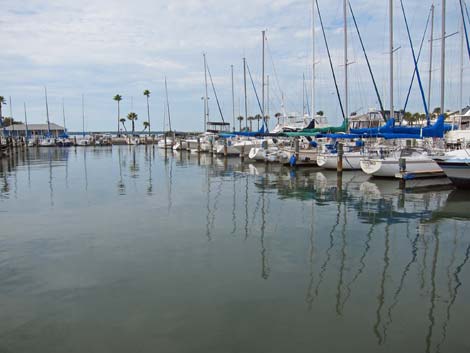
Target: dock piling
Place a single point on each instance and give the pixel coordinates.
(339, 167)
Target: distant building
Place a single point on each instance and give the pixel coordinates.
(461, 120)
(19, 130)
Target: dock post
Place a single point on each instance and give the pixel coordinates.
(211, 147)
(198, 145)
(339, 167)
(297, 148)
(164, 142)
(242, 153)
(402, 166)
(225, 148)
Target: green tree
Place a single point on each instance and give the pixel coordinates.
(132, 117)
(408, 117)
(123, 122)
(320, 113)
(278, 116)
(147, 95)
(250, 119)
(146, 125)
(436, 111)
(415, 118)
(258, 117)
(118, 98)
(240, 119)
(2, 102)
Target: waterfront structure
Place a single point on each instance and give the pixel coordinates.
(19, 130)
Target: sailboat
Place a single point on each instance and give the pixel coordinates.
(64, 140)
(48, 140)
(456, 166)
(417, 160)
(85, 140)
(167, 142)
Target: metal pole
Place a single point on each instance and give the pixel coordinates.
(262, 79)
(443, 56)
(83, 115)
(11, 117)
(346, 100)
(206, 103)
(392, 109)
(461, 73)
(246, 99)
(47, 112)
(233, 98)
(63, 113)
(26, 124)
(303, 95)
(312, 111)
(431, 41)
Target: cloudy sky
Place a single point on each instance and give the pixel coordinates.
(102, 48)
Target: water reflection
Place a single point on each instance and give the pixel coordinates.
(346, 254)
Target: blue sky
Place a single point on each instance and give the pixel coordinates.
(101, 48)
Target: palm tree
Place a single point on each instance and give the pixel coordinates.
(266, 119)
(415, 117)
(408, 117)
(132, 117)
(123, 122)
(250, 119)
(146, 126)
(118, 98)
(2, 101)
(240, 119)
(147, 94)
(277, 116)
(258, 117)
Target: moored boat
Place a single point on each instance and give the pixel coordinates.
(389, 166)
(456, 166)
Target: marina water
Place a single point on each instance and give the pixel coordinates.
(129, 249)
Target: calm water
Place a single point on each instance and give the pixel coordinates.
(123, 250)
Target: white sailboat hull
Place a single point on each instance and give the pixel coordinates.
(351, 160)
(389, 167)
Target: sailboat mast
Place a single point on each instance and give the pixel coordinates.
(26, 122)
(303, 95)
(233, 98)
(263, 33)
(206, 98)
(83, 114)
(11, 117)
(431, 41)
(443, 56)
(462, 29)
(346, 92)
(392, 108)
(63, 112)
(312, 110)
(167, 104)
(47, 112)
(246, 98)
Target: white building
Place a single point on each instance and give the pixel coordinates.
(19, 130)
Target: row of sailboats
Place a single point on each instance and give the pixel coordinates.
(318, 144)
